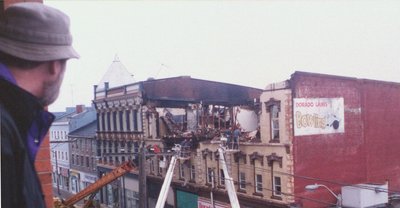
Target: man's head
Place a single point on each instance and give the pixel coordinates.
(35, 43)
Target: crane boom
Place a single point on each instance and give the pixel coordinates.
(167, 182)
(113, 175)
(230, 187)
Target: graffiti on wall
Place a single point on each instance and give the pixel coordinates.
(318, 116)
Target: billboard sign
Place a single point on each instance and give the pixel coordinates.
(318, 116)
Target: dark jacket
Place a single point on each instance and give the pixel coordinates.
(20, 186)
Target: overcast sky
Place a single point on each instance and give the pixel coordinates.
(250, 43)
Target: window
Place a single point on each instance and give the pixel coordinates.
(82, 162)
(114, 120)
(210, 175)
(109, 146)
(128, 123)
(151, 166)
(103, 121)
(277, 186)
(259, 187)
(192, 173)
(104, 146)
(87, 162)
(72, 159)
(221, 177)
(132, 199)
(129, 146)
(274, 122)
(99, 147)
(94, 143)
(181, 170)
(135, 120)
(159, 168)
(120, 118)
(136, 147)
(242, 180)
(92, 164)
(108, 121)
(115, 147)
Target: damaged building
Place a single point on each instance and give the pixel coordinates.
(157, 114)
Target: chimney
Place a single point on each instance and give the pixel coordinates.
(94, 91)
(80, 108)
(106, 86)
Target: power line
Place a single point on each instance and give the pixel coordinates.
(315, 179)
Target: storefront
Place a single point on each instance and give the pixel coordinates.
(64, 178)
(75, 176)
(87, 179)
(206, 203)
(186, 199)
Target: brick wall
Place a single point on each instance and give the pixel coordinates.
(382, 132)
(367, 152)
(43, 168)
(9, 2)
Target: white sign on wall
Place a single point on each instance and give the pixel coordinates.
(318, 116)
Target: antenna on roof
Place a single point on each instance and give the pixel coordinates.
(162, 66)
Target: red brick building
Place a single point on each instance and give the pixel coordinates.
(342, 131)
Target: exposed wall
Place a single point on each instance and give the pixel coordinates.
(365, 152)
(382, 133)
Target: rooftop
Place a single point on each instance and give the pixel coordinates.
(116, 75)
(85, 131)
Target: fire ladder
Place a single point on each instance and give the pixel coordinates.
(180, 154)
(183, 154)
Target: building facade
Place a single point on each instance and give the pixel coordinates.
(156, 115)
(83, 157)
(71, 120)
(336, 131)
(310, 129)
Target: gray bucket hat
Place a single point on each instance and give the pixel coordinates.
(36, 32)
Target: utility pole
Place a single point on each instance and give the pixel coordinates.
(142, 178)
(57, 174)
(212, 189)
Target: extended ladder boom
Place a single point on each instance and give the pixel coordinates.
(167, 182)
(116, 173)
(230, 187)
